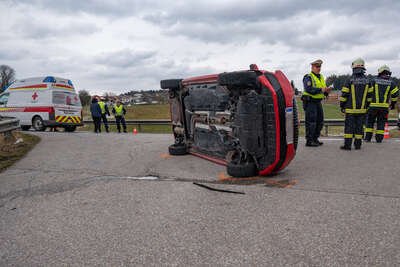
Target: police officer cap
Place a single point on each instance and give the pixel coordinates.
(384, 68)
(358, 63)
(317, 62)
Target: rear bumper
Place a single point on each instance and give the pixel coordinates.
(53, 123)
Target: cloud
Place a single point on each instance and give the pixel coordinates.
(124, 58)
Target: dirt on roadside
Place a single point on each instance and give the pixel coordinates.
(14, 147)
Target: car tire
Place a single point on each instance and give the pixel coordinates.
(238, 79)
(25, 127)
(242, 170)
(177, 150)
(295, 125)
(38, 124)
(170, 84)
(70, 128)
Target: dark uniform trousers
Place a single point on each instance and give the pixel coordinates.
(380, 116)
(314, 119)
(105, 121)
(353, 127)
(119, 120)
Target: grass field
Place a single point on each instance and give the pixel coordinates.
(161, 111)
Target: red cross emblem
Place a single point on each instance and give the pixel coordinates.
(34, 96)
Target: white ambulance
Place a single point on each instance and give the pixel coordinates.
(42, 102)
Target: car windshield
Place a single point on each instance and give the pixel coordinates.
(66, 98)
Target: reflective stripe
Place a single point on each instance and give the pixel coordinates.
(395, 90)
(369, 99)
(394, 99)
(376, 93)
(348, 135)
(364, 97)
(343, 99)
(358, 136)
(345, 90)
(369, 130)
(371, 90)
(380, 131)
(353, 96)
(386, 94)
(379, 105)
(316, 96)
(355, 111)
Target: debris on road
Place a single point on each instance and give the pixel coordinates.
(218, 190)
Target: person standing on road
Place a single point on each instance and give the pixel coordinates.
(104, 112)
(119, 112)
(315, 90)
(384, 90)
(354, 102)
(96, 115)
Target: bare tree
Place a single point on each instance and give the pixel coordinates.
(84, 97)
(7, 76)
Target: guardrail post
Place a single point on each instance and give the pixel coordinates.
(326, 130)
(139, 127)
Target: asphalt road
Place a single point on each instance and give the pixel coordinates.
(77, 199)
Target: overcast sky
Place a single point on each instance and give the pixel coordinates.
(122, 45)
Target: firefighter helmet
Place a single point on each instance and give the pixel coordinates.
(358, 63)
(384, 68)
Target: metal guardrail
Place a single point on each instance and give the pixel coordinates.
(327, 123)
(8, 124)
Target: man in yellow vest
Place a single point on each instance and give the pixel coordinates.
(104, 112)
(315, 90)
(119, 112)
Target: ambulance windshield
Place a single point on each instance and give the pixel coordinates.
(66, 98)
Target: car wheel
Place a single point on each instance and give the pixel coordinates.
(38, 124)
(177, 150)
(242, 170)
(295, 125)
(25, 127)
(70, 128)
(238, 79)
(170, 84)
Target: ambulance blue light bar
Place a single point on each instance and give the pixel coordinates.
(70, 83)
(49, 79)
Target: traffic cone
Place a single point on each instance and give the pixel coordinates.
(134, 131)
(386, 134)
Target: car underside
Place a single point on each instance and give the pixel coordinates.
(246, 120)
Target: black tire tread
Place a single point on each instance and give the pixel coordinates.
(177, 150)
(242, 170)
(170, 84)
(238, 79)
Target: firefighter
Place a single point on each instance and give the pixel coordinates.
(356, 96)
(315, 90)
(384, 91)
(104, 112)
(119, 112)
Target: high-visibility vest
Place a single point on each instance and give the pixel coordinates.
(317, 83)
(119, 110)
(102, 107)
(382, 91)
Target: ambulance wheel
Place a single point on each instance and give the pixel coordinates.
(25, 127)
(70, 128)
(247, 169)
(177, 150)
(37, 124)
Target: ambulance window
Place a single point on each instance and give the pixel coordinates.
(4, 98)
(65, 98)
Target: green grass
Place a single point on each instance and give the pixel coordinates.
(11, 152)
(129, 128)
(144, 112)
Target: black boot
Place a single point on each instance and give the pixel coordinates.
(312, 144)
(344, 147)
(368, 137)
(357, 144)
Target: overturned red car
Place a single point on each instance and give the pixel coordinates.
(246, 120)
